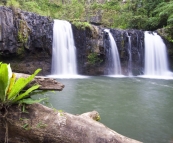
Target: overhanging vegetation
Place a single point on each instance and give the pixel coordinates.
(128, 14)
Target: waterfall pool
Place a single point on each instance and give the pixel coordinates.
(138, 108)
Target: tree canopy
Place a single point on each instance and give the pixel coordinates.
(124, 14)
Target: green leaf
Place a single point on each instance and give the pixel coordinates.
(26, 93)
(20, 84)
(9, 77)
(25, 126)
(3, 81)
(12, 81)
(31, 101)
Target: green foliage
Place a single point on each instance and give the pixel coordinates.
(12, 3)
(98, 118)
(152, 23)
(23, 32)
(25, 94)
(14, 95)
(74, 10)
(164, 11)
(170, 19)
(81, 25)
(138, 14)
(25, 126)
(3, 2)
(167, 33)
(138, 22)
(33, 6)
(93, 59)
(11, 90)
(4, 81)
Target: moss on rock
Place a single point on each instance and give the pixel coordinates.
(23, 32)
(81, 25)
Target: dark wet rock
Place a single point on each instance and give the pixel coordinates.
(95, 41)
(8, 42)
(97, 18)
(131, 60)
(89, 42)
(25, 40)
(26, 43)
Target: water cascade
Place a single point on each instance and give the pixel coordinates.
(63, 50)
(113, 56)
(156, 63)
(130, 55)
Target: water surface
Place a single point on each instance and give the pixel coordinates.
(135, 107)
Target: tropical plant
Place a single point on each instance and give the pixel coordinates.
(11, 89)
(164, 11)
(13, 3)
(93, 59)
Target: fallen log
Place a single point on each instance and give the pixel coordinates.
(45, 82)
(45, 125)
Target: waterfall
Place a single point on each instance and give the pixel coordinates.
(63, 50)
(113, 56)
(156, 63)
(130, 55)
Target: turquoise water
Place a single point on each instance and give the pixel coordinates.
(135, 107)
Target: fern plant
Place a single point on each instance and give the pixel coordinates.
(11, 90)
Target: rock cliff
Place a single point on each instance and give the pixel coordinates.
(26, 43)
(94, 43)
(25, 40)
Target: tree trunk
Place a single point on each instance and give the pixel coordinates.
(40, 124)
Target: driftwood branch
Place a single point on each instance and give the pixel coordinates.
(44, 125)
(45, 82)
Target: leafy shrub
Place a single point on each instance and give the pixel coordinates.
(164, 11)
(13, 3)
(81, 25)
(93, 59)
(11, 90)
(152, 23)
(74, 10)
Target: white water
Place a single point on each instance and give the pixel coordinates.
(156, 63)
(63, 51)
(130, 55)
(116, 66)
